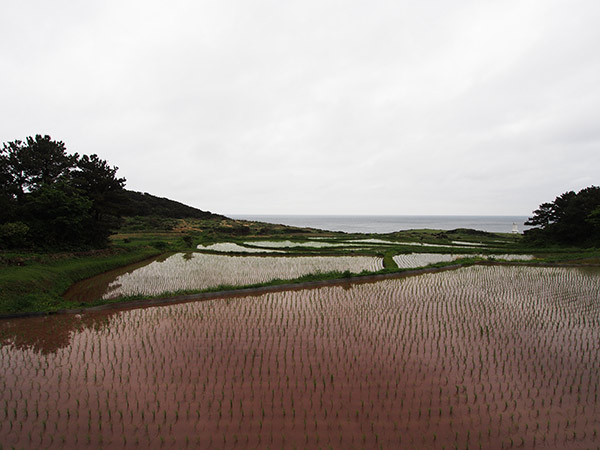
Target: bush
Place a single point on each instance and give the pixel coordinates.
(160, 245)
(188, 239)
(13, 235)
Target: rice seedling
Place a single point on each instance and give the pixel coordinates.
(415, 260)
(231, 247)
(202, 271)
(290, 244)
(482, 357)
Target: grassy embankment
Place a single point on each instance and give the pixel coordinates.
(35, 281)
(31, 282)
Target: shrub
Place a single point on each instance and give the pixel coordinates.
(160, 245)
(13, 234)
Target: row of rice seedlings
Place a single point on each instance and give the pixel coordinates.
(455, 244)
(414, 260)
(351, 242)
(425, 244)
(290, 244)
(509, 257)
(372, 241)
(483, 357)
(202, 271)
(469, 244)
(231, 247)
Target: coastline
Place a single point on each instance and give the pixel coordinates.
(383, 224)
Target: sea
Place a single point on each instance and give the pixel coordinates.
(389, 224)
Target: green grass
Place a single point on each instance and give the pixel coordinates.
(388, 260)
(38, 286)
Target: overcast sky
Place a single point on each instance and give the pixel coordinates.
(315, 107)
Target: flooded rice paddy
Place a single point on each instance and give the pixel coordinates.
(198, 271)
(290, 244)
(414, 260)
(482, 357)
(232, 247)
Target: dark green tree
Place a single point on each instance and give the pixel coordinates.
(61, 199)
(98, 181)
(8, 190)
(572, 218)
(36, 162)
(59, 216)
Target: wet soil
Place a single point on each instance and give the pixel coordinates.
(91, 289)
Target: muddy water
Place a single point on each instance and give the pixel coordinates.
(482, 357)
(197, 271)
(94, 288)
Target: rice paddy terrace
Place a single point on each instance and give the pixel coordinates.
(480, 357)
(486, 356)
(238, 264)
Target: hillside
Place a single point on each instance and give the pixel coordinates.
(144, 204)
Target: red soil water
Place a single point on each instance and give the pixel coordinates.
(94, 288)
(482, 357)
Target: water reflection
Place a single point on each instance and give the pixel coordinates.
(86, 291)
(48, 334)
(197, 271)
(455, 346)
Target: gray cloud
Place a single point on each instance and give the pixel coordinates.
(435, 107)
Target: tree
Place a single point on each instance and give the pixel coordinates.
(8, 190)
(572, 218)
(58, 215)
(62, 199)
(98, 181)
(13, 234)
(38, 161)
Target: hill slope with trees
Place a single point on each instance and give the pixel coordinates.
(144, 204)
(52, 199)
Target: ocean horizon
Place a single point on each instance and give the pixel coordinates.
(389, 224)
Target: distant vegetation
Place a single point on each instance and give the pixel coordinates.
(571, 219)
(50, 199)
(144, 205)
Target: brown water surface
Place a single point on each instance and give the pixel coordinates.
(88, 290)
(482, 357)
